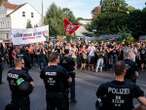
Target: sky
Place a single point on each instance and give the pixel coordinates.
(80, 8)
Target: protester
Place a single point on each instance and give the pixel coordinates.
(91, 56)
(100, 60)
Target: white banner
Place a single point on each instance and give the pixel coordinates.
(29, 36)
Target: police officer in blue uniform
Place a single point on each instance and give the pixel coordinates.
(56, 83)
(1, 68)
(132, 68)
(21, 85)
(119, 93)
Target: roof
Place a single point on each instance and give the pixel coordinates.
(18, 6)
(11, 6)
(96, 11)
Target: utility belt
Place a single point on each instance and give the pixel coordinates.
(57, 94)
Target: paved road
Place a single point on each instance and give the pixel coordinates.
(86, 85)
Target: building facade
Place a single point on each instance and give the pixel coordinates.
(82, 29)
(14, 16)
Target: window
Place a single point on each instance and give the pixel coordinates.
(23, 13)
(32, 14)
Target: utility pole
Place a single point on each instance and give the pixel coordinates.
(42, 19)
(101, 1)
(101, 4)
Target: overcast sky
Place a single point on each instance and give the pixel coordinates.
(80, 8)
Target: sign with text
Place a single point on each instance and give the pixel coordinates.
(29, 36)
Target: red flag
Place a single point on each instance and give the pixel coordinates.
(69, 27)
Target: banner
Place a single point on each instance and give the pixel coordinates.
(69, 27)
(29, 36)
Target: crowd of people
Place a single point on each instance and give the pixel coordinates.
(87, 56)
(58, 62)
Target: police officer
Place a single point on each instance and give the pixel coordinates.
(1, 68)
(119, 94)
(55, 79)
(21, 85)
(69, 64)
(132, 72)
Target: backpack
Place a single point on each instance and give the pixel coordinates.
(24, 87)
(11, 106)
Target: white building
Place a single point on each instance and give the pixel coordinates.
(84, 21)
(82, 29)
(14, 16)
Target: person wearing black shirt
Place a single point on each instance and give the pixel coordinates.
(119, 94)
(16, 78)
(1, 69)
(132, 68)
(1, 61)
(69, 64)
(55, 80)
(143, 56)
(132, 71)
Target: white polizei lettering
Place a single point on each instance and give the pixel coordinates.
(15, 76)
(50, 73)
(121, 91)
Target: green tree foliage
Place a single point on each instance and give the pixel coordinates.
(113, 6)
(143, 19)
(55, 16)
(117, 17)
(113, 18)
(135, 23)
(131, 9)
(1, 1)
(110, 23)
(28, 25)
(69, 14)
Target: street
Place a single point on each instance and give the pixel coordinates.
(86, 86)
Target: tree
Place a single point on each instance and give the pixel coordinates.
(28, 25)
(117, 17)
(54, 17)
(110, 24)
(96, 11)
(130, 9)
(1, 1)
(113, 19)
(69, 14)
(135, 23)
(114, 6)
(143, 19)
